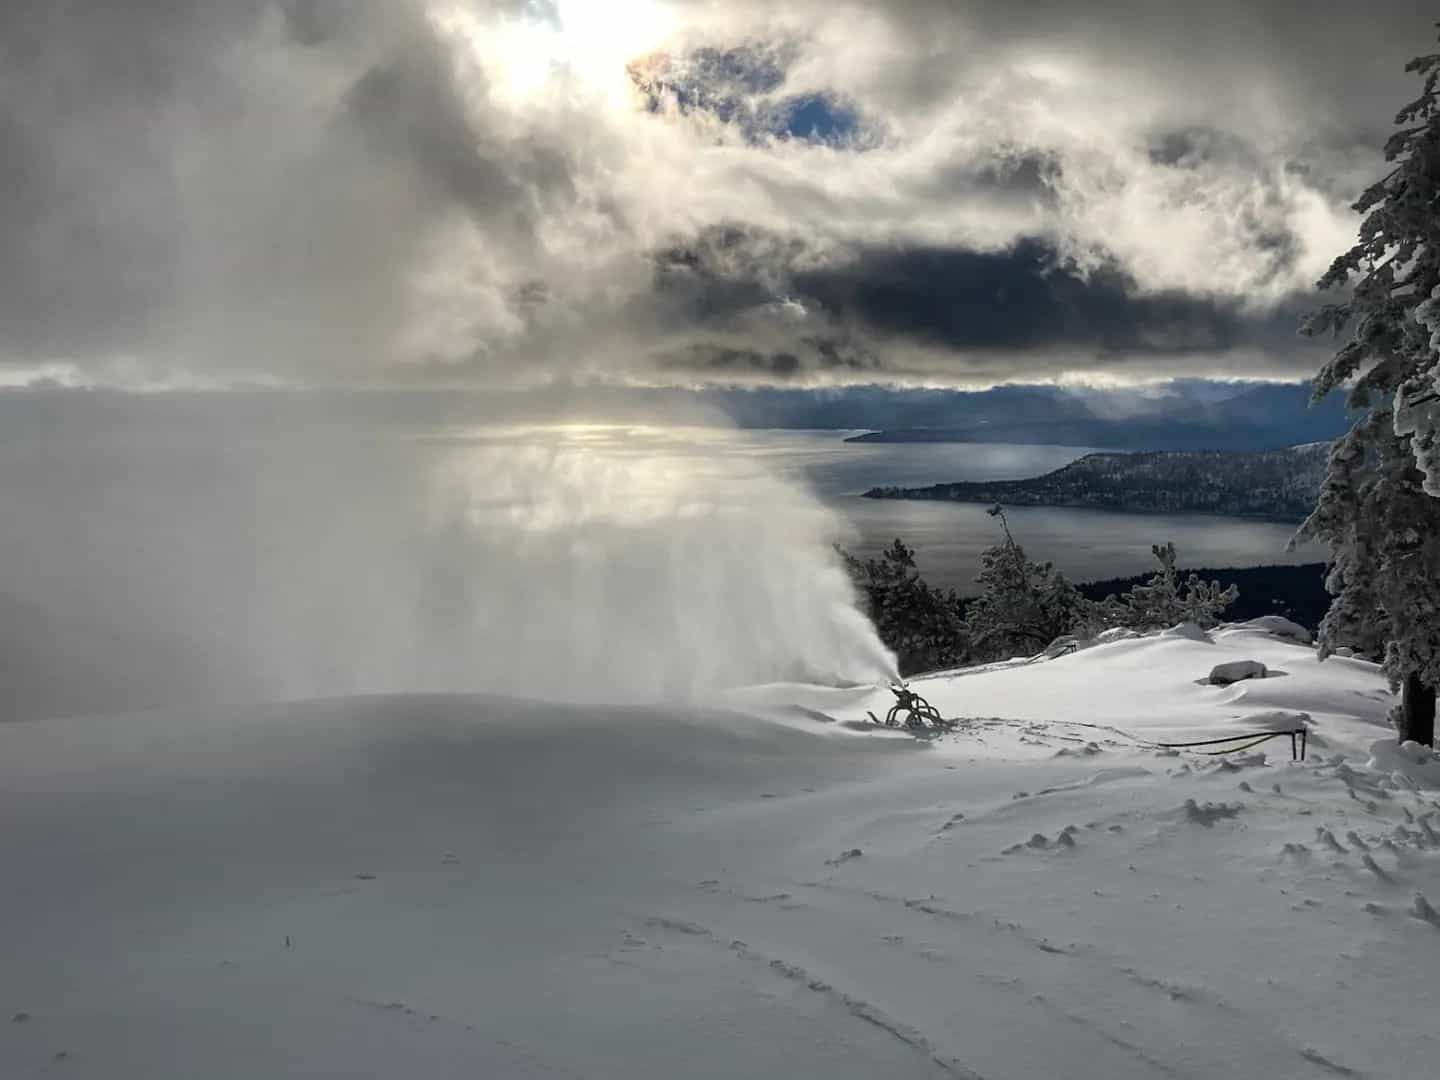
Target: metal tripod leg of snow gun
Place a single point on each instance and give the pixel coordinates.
(917, 712)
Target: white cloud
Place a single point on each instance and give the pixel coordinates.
(357, 192)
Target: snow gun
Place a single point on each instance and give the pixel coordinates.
(917, 712)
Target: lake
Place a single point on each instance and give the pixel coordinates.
(163, 497)
(948, 537)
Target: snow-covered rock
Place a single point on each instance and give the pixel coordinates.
(1417, 763)
(1116, 633)
(1277, 625)
(1187, 630)
(1233, 671)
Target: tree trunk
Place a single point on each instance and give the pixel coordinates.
(1417, 711)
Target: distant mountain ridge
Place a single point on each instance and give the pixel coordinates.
(1182, 414)
(1265, 417)
(1276, 485)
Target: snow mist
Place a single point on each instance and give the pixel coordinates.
(293, 559)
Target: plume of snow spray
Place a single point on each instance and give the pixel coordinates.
(632, 569)
(579, 563)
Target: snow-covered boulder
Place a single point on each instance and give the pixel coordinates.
(1115, 633)
(1277, 625)
(1233, 671)
(1408, 763)
(1188, 630)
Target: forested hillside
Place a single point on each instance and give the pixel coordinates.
(1279, 485)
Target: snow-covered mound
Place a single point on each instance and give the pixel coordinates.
(1280, 626)
(471, 886)
(1156, 686)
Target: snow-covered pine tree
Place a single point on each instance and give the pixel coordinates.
(1384, 537)
(1418, 414)
(1161, 601)
(1406, 212)
(1373, 512)
(1023, 605)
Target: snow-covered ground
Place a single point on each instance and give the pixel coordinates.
(487, 887)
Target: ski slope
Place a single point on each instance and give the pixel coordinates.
(474, 886)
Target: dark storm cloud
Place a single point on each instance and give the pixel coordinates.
(1018, 298)
(830, 359)
(725, 270)
(1022, 298)
(717, 359)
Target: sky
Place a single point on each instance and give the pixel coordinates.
(397, 193)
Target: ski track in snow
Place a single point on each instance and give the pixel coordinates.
(932, 932)
(858, 1007)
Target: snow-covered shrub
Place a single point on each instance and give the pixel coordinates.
(1165, 600)
(1025, 605)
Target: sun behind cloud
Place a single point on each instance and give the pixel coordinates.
(571, 46)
